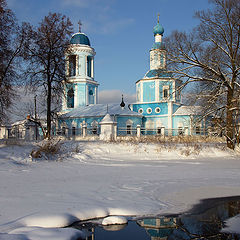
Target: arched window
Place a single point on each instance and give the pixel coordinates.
(94, 125)
(70, 98)
(89, 66)
(91, 96)
(63, 131)
(72, 65)
(73, 131)
(129, 124)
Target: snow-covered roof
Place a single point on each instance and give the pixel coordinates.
(21, 122)
(100, 110)
(189, 110)
(107, 119)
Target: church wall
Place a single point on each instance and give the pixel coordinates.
(181, 121)
(149, 91)
(155, 121)
(164, 84)
(122, 121)
(138, 92)
(151, 125)
(153, 106)
(91, 94)
(81, 94)
(178, 85)
(82, 65)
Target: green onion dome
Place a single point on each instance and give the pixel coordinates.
(158, 29)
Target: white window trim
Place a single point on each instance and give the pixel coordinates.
(165, 88)
(149, 110)
(140, 110)
(156, 110)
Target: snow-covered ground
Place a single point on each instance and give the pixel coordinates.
(98, 179)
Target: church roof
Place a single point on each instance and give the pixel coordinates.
(99, 110)
(189, 110)
(107, 119)
(158, 73)
(80, 38)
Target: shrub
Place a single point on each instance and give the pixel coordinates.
(47, 148)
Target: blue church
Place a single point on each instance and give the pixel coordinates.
(158, 109)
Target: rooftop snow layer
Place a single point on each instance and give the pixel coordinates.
(189, 110)
(99, 110)
(107, 119)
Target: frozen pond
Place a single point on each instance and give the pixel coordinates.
(204, 221)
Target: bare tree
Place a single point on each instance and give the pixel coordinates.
(45, 54)
(12, 39)
(210, 55)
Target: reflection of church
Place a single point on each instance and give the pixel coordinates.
(159, 228)
(158, 108)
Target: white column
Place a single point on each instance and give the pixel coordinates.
(138, 131)
(77, 65)
(92, 68)
(75, 96)
(81, 66)
(170, 112)
(115, 132)
(141, 92)
(86, 66)
(64, 100)
(163, 131)
(158, 38)
(87, 98)
(95, 96)
(84, 130)
(157, 91)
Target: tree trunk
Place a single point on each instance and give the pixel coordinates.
(229, 120)
(49, 94)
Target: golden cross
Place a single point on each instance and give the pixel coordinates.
(158, 17)
(80, 24)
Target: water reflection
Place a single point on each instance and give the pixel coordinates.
(204, 221)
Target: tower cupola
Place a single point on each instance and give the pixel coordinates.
(81, 88)
(80, 38)
(158, 31)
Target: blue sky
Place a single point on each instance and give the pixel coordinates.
(119, 30)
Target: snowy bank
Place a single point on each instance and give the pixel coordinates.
(114, 220)
(88, 180)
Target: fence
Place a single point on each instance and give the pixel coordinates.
(137, 131)
(24, 133)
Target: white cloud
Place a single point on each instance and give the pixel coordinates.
(115, 96)
(97, 16)
(77, 3)
(115, 25)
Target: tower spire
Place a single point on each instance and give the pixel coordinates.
(158, 18)
(79, 25)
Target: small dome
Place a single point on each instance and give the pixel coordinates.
(158, 29)
(122, 104)
(80, 38)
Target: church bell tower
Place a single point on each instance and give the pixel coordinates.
(81, 89)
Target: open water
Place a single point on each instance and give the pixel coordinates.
(204, 221)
